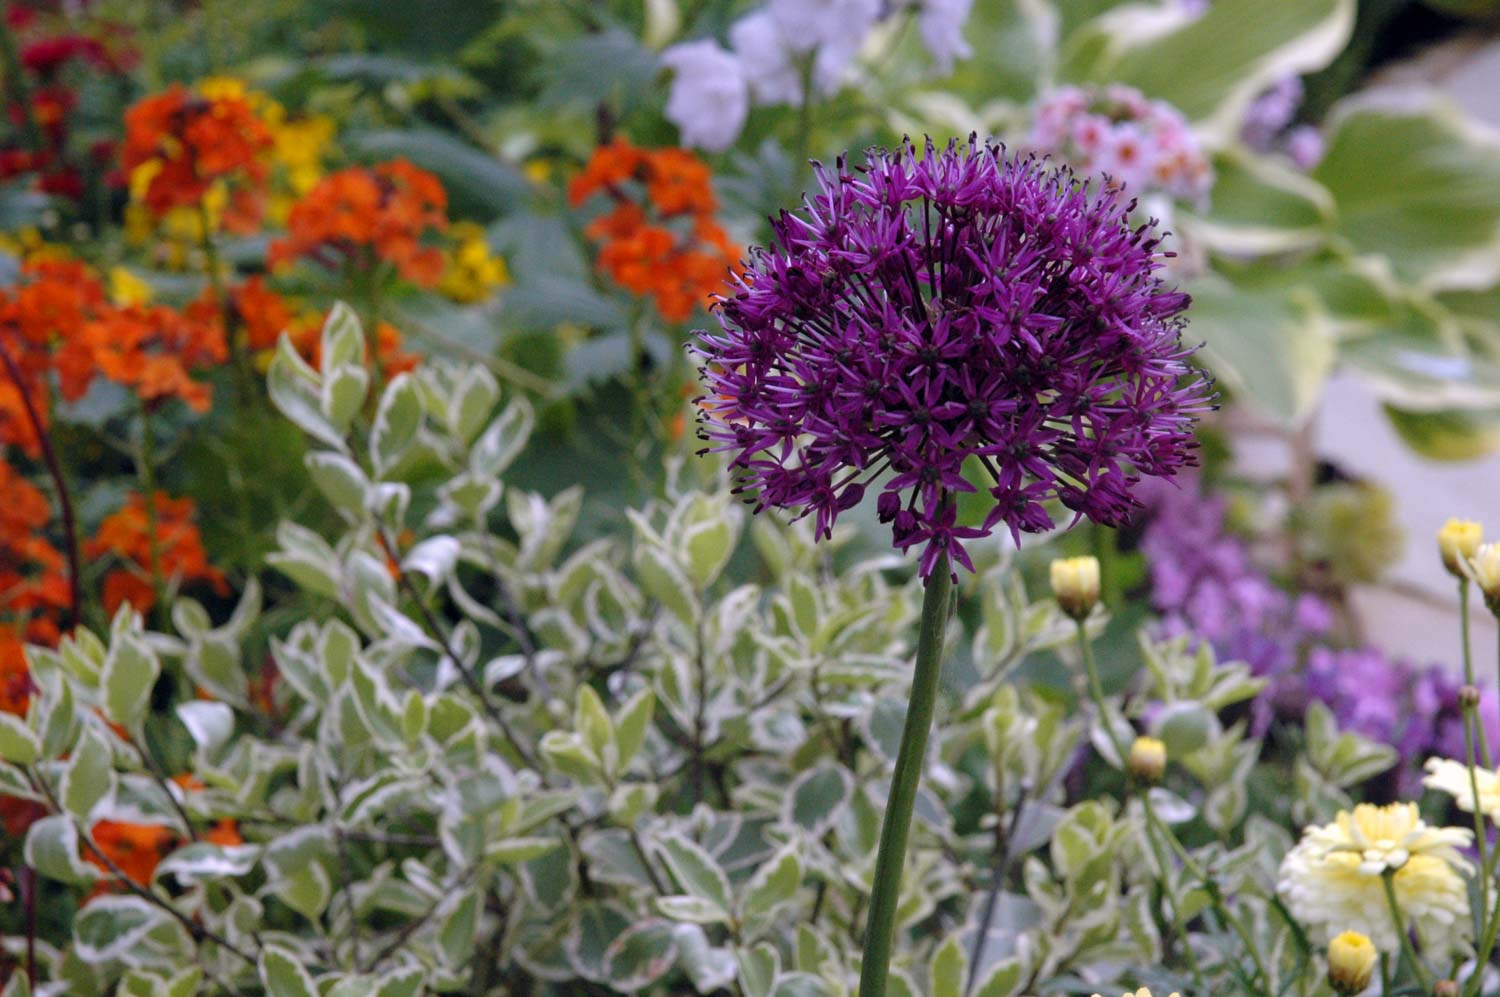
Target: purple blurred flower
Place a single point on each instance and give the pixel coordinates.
(945, 315)
(1270, 113)
(1204, 582)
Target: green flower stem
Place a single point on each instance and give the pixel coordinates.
(1463, 620)
(1472, 724)
(1408, 951)
(1154, 824)
(885, 896)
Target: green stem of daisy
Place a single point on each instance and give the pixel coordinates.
(1154, 824)
(885, 896)
(1463, 622)
(1408, 950)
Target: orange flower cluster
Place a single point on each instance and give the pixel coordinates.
(263, 313)
(180, 143)
(367, 215)
(666, 244)
(179, 552)
(32, 581)
(152, 349)
(50, 306)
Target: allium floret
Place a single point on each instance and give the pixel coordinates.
(950, 321)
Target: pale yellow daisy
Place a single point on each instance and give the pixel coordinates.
(1332, 880)
(1448, 776)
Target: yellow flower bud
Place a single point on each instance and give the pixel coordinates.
(1458, 541)
(1075, 583)
(1148, 759)
(1351, 961)
(1484, 568)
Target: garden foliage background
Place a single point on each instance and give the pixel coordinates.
(368, 625)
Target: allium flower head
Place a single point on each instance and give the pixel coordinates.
(961, 320)
(1332, 879)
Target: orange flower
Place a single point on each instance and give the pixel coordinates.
(126, 534)
(225, 833)
(150, 348)
(48, 308)
(135, 848)
(33, 585)
(15, 678)
(675, 252)
(179, 143)
(366, 215)
(263, 313)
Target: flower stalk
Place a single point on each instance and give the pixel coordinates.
(896, 827)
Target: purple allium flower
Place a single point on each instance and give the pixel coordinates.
(960, 320)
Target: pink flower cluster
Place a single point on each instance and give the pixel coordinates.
(1118, 133)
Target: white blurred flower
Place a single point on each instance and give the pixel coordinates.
(767, 59)
(709, 97)
(1448, 776)
(1332, 879)
(810, 24)
(941, 23)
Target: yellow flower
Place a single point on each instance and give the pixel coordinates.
(1332, 880)
(472, 272)
(1075, 583)
(1148, 759)
(125, 288)
(1458, 540)
(1448, 776)
(1142, 992)
(1351, 963)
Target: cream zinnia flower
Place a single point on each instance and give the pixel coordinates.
(1332, 880)
(1448, 776)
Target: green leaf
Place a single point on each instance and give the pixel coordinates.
(88, 776)
(396, 422)
(19, 744)
(664, 581)
(1418, 184)
(592, 722)
(503, 440)
(774, 883)
(1448, 434)
(640, 956)
(631, 725)
(296, 389)
(210, 724)
(130, 670)
(1210, 66)
(817, 797)
(110, 926)
(283, 975)
(459, 928)
(343, 396)
(695, 910)
(946, 974)
(52, 850)
(1261, 206)
(1001, 981)
(696, 871)
(342, 338)
(1273, 344)
(508, 851)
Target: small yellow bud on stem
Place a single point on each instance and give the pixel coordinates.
(1459, 540)
(1148, 759)
(1075, 583)
(1351, 963)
